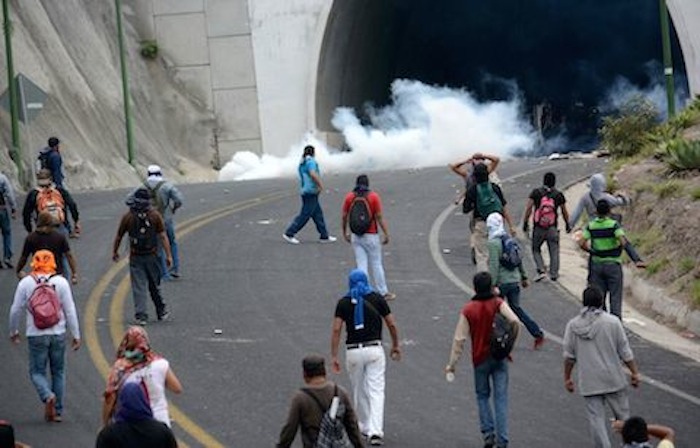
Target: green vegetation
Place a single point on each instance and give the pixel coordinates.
(695, 292)
(686, 265)
(149, 49)
(626, 134)
(647, 240)
(683, 155)
(668, 189)
(656, 266)
(695, 194)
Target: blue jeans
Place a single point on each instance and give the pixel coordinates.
(51, 350)
(511, 291)
(310, 209)
(170, 231)
(6, 229)
(485, 373)
(368, 254)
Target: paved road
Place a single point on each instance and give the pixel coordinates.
(274, 303)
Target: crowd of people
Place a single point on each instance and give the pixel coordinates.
(135, 409)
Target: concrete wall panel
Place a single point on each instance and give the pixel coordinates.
(237, 113)
(232, 62)
(227, 17)
(183, 38)
(198, 82)
(686, 17)
(177, 6)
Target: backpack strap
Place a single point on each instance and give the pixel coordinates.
(316, 399)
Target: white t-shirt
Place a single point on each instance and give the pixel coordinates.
(153, 376)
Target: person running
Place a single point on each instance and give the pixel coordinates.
(310, 403)
(46, 236)
(475, 322)
(50, 159)
(596, 342)
(588, 202)
(362, 310)
(145, 228)
(51, 198)
(167, 199)
(604, 238)
(484, 198)
(8, 209)
(362, 217)
(311, 188)
(137, 363)
(546, 202)
(47, 344)
(134, 425)
(509, 279)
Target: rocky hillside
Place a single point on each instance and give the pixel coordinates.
(69, 49)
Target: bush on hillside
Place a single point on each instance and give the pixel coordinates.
(683, 155)
(627, 133)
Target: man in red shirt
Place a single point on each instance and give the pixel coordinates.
(362, 215)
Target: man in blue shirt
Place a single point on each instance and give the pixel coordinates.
(50, 159)
(311, 187)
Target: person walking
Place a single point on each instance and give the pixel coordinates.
(604, 238)
(47, 344)
(137, 363)
(362, 310)
(311, 187)
(484, 198)
(8, 209)
(508, 278)
(50, 159)
(310, 403)
(51, 198)
(145, 228)
(475, 322)
(546, 202)
(134, 425)
(362, 217)
(596, 342)
(46, 236)
(597, 191)
(167, 199)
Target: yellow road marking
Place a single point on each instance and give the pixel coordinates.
(116, 309)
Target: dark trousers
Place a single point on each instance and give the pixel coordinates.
(608, 278)
(145, 279)
(310, 209)
(551, 237)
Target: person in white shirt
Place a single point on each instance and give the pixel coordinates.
(47, 346)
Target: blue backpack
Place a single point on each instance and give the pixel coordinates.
(511, 256)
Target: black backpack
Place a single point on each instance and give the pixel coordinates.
(511, 254)
(503, 335)
(143, 235)
(360, 215)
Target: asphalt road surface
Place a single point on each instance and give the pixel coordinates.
(273, 302)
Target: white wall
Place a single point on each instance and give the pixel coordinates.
(686, 18)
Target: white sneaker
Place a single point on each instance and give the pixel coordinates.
(290, 239)
(330, 239)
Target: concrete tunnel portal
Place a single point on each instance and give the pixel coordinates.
(566, 56)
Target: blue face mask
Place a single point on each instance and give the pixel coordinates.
(134, 355)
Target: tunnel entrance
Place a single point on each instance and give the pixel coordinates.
(563, 55)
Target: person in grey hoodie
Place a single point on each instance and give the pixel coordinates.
(597, 186)
(596, 342)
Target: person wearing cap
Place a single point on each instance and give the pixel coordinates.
(46, 236)
(47, 346)
(604, 238)
(167, 199)
(310, 403)
(66, 205)
(50, 158)
(146, 230)
(8, 209)
(362, 311)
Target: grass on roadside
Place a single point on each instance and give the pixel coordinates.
(647, 240)
(669, 189)
(685, 265)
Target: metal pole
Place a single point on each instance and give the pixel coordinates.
(16, 152)
(668, 64)
(125, 86)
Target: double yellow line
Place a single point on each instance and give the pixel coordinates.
(116, 309)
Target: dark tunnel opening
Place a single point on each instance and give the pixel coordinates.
(563, 55)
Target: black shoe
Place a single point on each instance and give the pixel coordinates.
(174, 274)
(9, 264)
(376, 440)
(489, 441)
(140, 320)
(164, 316)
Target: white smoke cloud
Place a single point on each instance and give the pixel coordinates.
(423, 126)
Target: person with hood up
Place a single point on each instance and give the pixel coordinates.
(509, 280)
(596, 342)
(134, 425)
(137, 363)
(597, 191)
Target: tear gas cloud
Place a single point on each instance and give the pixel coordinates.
(423, 126)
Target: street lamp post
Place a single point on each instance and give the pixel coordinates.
(125, 86)
(668, 64)
(16, 152)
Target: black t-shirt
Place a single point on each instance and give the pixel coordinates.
(375, 309)
(559, 199)
(141, 434)
(54, 241)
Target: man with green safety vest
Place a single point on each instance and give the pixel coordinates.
(604, 238)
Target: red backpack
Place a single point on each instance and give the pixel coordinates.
(43, 304)
(546, 212)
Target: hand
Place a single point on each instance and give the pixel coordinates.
(449, 369)
(74, 278)
(641, 264)
(385, 240)
(512, 230)
(477, 155)
(335, 366)
(525, 283)
(15, 338)
(569, 385)
(115, 256)
(617, 425)
(21, 275)
(169, 260)
(395, 354)
(75, 344)
(346, 236)
(634, 380)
